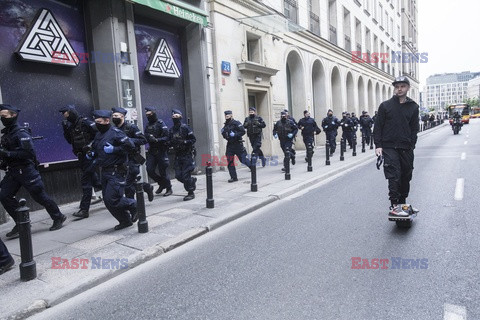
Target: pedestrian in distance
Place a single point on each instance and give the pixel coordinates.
(285, 130)
(19, 160)
(330, 126)
(182, 141)
(309, 128)
(110, 150)
(156, 132)
(233, 132)
(395, 137)
(135, 159)
(80, 132)
(254, 125)
(347, 128)
(366, 126)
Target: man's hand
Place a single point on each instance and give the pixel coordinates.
(4, 153)
(378, 151)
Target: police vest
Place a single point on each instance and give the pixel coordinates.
(252, 128)
(283, 129)
(80, 138)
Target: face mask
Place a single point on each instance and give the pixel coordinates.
(72, 117)
(228, 120)
(284, 119)
(9, 121)
(102, 127)
(176, 121)
(152, 118)
(116, 121)
(252, 116)
(330, 114)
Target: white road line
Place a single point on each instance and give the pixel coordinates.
(465, 142)
(454, 312)
(459, 189)
(463, 156)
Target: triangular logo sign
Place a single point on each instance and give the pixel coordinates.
(46, 42)
(162, 63)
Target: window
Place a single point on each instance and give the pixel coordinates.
(290, 10)
(253, 48)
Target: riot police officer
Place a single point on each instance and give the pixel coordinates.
(289, 117)
(233, 131)
(330, 126)
(135, 159)
(6, 259)
(309, 128)
(285, 130)
(156, 132)
(20, 162)
(110, 150)
(182, 140)
(366, 126)
(254, 125)
(79, 132)
(347, 128)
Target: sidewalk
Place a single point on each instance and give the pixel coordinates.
(172, 222)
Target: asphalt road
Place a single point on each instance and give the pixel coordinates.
(293, 259)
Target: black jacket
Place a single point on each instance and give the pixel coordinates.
(396, 125)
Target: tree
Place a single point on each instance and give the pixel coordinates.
(472, 102)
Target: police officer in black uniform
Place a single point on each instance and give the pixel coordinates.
(309, 128)
(110, 150)
(366, 126)
(156, 132)
(20, 162)
(330, 126)
(135, 159)
(347, 129)
(285, 130)
(6, 259)
(233, 131)
(79, 132)
(254, 125)
(292, 149)
(182, 140)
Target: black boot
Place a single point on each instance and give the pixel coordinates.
(13, 233)
(149, 190)
(58, 224)
(168, 192)
(159, 190)
(82, 214)
(190, 196)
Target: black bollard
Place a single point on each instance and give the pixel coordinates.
(286, 163)
(327, 153)
(309, 157)
(28, 268)
(371, 141)
(354, 153)
(342, 142)
(208, 171)
(253, 168)
(142, 216)
(363, 143)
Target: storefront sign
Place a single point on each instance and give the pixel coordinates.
(179, 10)
(46, 42)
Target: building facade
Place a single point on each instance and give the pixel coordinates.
(473, 88)
(304, 55)
(447, 88)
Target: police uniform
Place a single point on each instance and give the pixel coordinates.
(79, 132)
(309, 128)
(285, 129)
(292, 149)
(182, 141)
(366, 126)
(19, 160)
(254, 125)
(330, 126)
(347, 129)
(233, 131)
(156, 132)
(135, 159)
(6, 260)
(110, 152)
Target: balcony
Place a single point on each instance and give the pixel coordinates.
(333, 35)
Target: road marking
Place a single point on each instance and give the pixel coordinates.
(465, 142)
(463, 156)
(459, 189)
(454, 312)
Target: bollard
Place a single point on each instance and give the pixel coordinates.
(342, 142)
(142, 217)
(309, 157)
(327, 153)
(208, 172)
(253, 168)
(286, 163)
(28, 268)
(371, 141)
(354, 153)
(363, 143)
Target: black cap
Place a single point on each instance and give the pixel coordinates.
(9, 108)
(306, 111)
(227, 112)
(67, 108)
(401, 79)
(283, 113)
(119, 110)
(150, 109)
(176, 111)
(102, 114)
(252, 109)
(285, 110)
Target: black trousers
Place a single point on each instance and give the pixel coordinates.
(398, 169)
